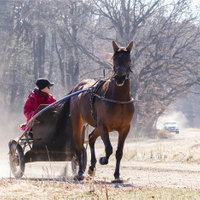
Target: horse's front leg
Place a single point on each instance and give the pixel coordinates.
(108, 147)
(92, 138)
(119, 153)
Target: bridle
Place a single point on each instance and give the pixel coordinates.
(125, 75)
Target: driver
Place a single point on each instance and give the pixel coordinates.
(38, 96)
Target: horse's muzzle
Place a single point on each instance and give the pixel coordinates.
(119, 80)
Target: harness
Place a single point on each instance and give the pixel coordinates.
(93, 93)
(98, 84)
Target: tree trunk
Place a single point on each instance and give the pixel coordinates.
(35, 55)
(76, 68)
(41, 55)
(14, 88)
(61, 66)
(50, 75)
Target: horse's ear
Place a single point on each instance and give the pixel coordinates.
(130, 46)
(115, 47)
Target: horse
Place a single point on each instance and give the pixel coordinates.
(108, 107)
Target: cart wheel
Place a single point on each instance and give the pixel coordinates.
(74, 162)
(17, 163)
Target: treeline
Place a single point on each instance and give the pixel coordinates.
(67, 41)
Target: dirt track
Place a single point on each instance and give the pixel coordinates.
(137, 173)
(156, 174)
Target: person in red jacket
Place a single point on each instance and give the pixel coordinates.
(38, 96)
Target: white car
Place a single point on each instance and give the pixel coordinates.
(172, 126)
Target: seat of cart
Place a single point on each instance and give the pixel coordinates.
(47, 144)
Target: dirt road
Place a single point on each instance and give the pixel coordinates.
(138, 173)
(155, 174)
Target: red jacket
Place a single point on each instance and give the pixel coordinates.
(34, 99)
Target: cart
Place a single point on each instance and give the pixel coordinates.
(40, 142)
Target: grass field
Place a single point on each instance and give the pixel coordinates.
(49, 189)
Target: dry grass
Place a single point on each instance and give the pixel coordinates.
(164, 134)
(192, 130)
(165, 149)
(35, 189)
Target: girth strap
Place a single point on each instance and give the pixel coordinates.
(92, 94)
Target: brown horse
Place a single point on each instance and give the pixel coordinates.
(112, 107)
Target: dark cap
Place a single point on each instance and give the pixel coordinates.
(42, 83)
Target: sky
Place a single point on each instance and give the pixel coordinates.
(196, 3)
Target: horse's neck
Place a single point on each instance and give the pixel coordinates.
(120, 93)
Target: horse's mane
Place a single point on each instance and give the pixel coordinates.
(63, 114)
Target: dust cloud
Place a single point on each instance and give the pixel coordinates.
(9, 129)
(179, 117)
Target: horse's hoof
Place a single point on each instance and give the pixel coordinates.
(78, 177)
(118, 180)
(90, 172)
(103, 161)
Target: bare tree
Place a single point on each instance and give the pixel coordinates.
(71, 40)
(165, 56)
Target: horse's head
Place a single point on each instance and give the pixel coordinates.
(121, 63)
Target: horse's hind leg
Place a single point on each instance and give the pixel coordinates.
(92, 138)
(122, 136)
(77, 133)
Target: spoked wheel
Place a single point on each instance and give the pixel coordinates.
(17, 162)
(74, 162)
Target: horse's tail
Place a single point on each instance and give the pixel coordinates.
(63, 115)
